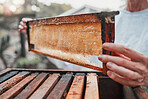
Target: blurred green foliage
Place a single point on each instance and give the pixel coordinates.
(9, 23)
(24, 62)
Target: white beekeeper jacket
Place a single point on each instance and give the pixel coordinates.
(131, 30)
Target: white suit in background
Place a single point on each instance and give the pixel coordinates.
(131, 30)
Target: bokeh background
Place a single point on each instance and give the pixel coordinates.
(13, 45)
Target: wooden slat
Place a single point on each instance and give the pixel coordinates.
(46, 87)
(5, 71)
(7, 76)
(18, 87)
(76, 89)
(56, 71)
(28, 91)
(92, 90)
(12, 81)
(61, 88)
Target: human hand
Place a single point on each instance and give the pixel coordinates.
(22, 26)
(127, 67)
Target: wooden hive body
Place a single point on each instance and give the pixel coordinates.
(62, 84)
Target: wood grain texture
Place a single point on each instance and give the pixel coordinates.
(92, 90)
(56, 70)
(12, 81)
(110, 37)
(76, 89)
(60, 90)
(18, 87)
(7, 76)
(28, 91)
(82, 18)
(46, 87)
(5, 71)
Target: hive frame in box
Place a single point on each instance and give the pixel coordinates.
(134, 93)
(107, 31)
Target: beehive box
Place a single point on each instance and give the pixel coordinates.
(61, 84)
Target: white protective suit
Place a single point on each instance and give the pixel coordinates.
(131, 30)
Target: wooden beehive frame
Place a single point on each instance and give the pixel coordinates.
(106, 20)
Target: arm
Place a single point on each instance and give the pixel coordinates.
(128, 67)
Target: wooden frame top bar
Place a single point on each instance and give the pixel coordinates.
(81, 18)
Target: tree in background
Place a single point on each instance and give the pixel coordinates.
(10, 13)
(30, 6)
(11, 7)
